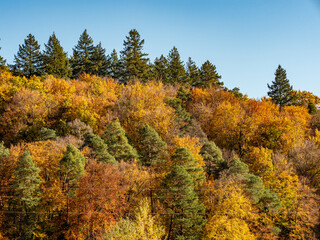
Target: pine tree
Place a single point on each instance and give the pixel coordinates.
(134, 60)
(177, 72)
(281, 91)
(100, 149)
(114, 66)
(208, 76)
(28, 60)
(81, 62)
(152, 149)
(99, 61)
(47, 134)
(55, 60)
(193, 73)
(2, 62)
(213, 159)
(25, 199)
(118, 146)
(185, 213)
(160, 69)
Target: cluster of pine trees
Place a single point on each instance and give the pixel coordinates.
(101, 147)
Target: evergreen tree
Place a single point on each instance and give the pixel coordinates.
(280, 91)
(114, 66)
(185, 213)
(4, 152)
(118, 146)
(2, 62)
(81, 62)
(160, 69)
(152, 149)
(47, 134)
(177, 72)
(55, 60)
(213, 159)
(28, 60)
(100, 149)
(208, 76)
(25, 199)
(133, 59)
(193, 73)
(99, 61)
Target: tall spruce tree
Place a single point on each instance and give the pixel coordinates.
(114, 66)
(55, 60)
(177, 73)
(185, 214)
(99, 61)
(193, 73)
(2, 62)
(133, 59)
(28, 60)
(152, 149)
(280, 91)
(117, 141)
(208, 76)
(81, 62)
(160, 69)
(100, 149)
(26, 198)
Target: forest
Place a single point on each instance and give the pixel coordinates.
(98, 146)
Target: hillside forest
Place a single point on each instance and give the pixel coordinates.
(116, 147)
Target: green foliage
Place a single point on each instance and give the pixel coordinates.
(176, 72)
(28, 60)
(160, 69)
(2, 62)
(26, 198)
(99, 61)
(114, 66)
(280, 91)
(133, 59)
(193, 73)
(213, 159)
(81, 62)
(55, 60)
(185, 220)
(208, 76)
(4, 152)
(118, 145)
(152, 149)
(47, 134)
(99, 148)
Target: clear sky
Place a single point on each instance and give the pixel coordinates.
(245, 39)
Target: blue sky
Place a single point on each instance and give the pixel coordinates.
(245, 39)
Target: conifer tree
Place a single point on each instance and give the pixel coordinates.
(99, 148)
(152, 149)
(185, 214)
(28, 60)
(280, 91)
(55, 60)
(177, 72)
(160, 69)
(114, 65)
(208, 76)
(118, 145)
(25, 199)
(81, 62)
(193, 73)
(4, 152)
(2, 62)
(133, 59)
(213, 159)
(47, 134)
(99, 61)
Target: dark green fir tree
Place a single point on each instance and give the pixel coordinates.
(25, 200)
(2, 62)
(152, 150)
(28, 60)
(185, 214)
(208, 76)
(117, 141)
(81, 62)
(280, 91)
(99, 61)
(55, 60)
(114, 66)
(160, 70)
(193, 73)
(133, 59)
(177, 73)
(99, 148)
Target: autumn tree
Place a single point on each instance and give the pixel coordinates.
(176, 68)
(28, 60)
(81, 62)
(55, 60)
(280, 91)
(22, 215)
(134, 60)
(118, 145)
